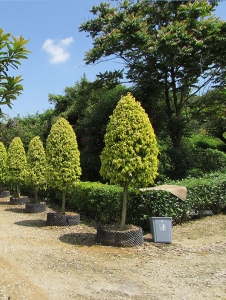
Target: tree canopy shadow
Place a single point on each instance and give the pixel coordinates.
(31, 223)
(4, 202)
(78, 238)
(16, 209)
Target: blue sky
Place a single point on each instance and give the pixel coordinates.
(57, 48)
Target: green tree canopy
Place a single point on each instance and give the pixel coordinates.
(213, 117)
(12, 50)
(171, 50)
(36, 161)
(63, 158)
(26, 127)
(130, 152)
(17, 163)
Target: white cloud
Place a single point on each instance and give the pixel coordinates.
(57, 50)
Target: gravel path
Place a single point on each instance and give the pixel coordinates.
(47, 263)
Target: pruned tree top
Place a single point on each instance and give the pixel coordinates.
(63, 157)
(16, 161)
(130, 153)
(36, 160)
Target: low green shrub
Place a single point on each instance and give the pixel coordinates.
(102, 202)
(207, 193)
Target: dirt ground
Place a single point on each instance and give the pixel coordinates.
(45, 263)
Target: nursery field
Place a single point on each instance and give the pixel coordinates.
(40, 262)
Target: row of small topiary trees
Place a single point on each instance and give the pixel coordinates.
(129, 156)
(58, 167)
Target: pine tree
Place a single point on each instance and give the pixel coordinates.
(63, 158)
(17, 163)
(36, 160)
(130, 152)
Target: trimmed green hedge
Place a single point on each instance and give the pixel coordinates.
(102, 202)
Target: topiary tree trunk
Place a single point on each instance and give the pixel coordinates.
(130, 153)
(63, 158)
(124, 205)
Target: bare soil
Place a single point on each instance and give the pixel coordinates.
(42, 262)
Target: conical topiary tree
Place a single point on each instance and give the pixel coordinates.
(17, 163)
(63, 158)
(36, 162)
(3, 159)
(130, 152)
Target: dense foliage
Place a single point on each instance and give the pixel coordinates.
(130, 152)
(36, 162)
(26, 128)
(63, 158)
(12, 50)
(87, 107)
(102, 202)
(17, 164)
(163, 47)
(3, 158)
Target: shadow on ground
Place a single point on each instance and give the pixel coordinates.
(3, 203)
(148, 237)
(16, 209)
(31, 223)
(82, 239)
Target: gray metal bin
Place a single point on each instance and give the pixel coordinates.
(161, 229)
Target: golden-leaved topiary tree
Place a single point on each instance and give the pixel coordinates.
(17, 163)
(63, 158)
(36, 160)
(130, 153)
(3, 158)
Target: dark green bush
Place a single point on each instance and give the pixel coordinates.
(192, 160)
(205, 141)
(209, 160)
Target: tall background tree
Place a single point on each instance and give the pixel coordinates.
(171, 51)
(130, 153)
(12, 50)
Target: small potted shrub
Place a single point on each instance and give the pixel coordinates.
(63, 168)
(17, 169)
(36, 165)
(128, 158)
